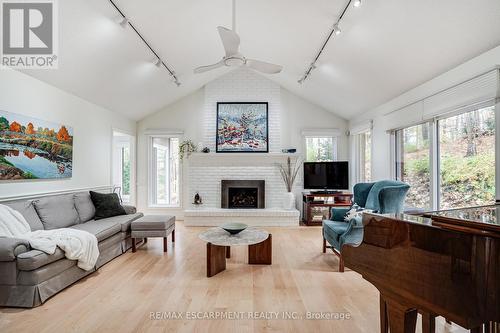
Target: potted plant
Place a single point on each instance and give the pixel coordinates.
(186, 148)
(288, 174)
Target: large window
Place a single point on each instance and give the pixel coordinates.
(413, 164)
(321, 149)
(449, 162)
(164, 178)
(467, 159)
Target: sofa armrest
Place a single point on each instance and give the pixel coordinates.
(129, 209)
(11, 247)
(338, 213)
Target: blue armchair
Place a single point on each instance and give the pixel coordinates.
(386, 196)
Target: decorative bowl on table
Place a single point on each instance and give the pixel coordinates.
(234, 228)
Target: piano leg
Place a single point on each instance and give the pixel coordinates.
(384, 324)
(428, 322)
(402, 319)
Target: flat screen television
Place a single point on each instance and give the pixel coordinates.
(328, 176)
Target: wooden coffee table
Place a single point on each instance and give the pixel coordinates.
(219, 244)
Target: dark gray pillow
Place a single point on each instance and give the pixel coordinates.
(57, 212)
(84, 206)
(106, 205)
(28, 211)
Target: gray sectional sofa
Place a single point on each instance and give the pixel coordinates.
(29, 277)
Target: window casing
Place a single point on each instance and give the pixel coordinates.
(164, 169)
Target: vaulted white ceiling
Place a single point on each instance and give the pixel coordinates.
(386, 48)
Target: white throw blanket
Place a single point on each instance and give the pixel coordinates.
(76, 244)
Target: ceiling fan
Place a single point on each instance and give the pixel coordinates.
(233, 57)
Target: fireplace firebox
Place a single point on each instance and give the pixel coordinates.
(241, 194)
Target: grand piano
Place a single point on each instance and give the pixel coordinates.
(444, 263)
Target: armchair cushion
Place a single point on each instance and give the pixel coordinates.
(335, 229)
(10, 248)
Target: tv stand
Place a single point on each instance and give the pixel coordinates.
(317, 205)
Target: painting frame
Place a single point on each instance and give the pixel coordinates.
(219, 149)
(34, 149)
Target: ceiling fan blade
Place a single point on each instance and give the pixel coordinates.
(203, 69)
(230, 40)
(264, 67)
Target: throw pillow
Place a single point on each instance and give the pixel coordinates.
(106, 205)
(356, 212)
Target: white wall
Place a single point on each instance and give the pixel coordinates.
(381, 154)
(92, 126)
(195, 115)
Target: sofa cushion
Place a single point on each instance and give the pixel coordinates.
(34, 259)
(57, 211)
(84, 206)
(27, 210)
(124, 220)
(106, 205)
(102, 229)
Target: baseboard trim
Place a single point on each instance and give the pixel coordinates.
(51, 193)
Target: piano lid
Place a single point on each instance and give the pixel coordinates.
(485, 218)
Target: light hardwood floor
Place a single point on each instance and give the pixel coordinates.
(121, 296)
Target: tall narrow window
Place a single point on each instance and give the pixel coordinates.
(413, 164)
(122, 163)
(364, 156)
(164, 172)
(320, 149)
(467, 159)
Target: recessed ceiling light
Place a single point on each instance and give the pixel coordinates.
(357, 3)
(336, 29)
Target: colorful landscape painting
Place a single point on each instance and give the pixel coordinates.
(34, 149)
(242, 127)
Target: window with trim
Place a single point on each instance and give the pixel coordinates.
(364, 156)
(413, 164)
(467, 159)
(164, 171)
(321, 148)
(458, 151)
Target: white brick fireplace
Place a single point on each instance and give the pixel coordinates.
(205, 173)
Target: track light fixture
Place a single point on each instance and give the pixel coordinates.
(334, 31)
(124, 22)
(159, 62)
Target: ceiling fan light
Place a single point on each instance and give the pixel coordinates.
(357, 3)
(336, 29)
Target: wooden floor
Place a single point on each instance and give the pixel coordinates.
(121, 296)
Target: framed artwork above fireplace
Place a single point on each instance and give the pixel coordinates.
(242, 127)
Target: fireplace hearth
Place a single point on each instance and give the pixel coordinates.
(241, 194)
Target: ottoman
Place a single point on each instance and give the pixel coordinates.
(153, 226)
